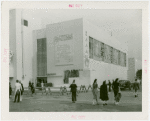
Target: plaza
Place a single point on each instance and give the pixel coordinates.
(50, 55)
(52, 103)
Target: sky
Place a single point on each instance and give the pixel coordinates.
(124, 24)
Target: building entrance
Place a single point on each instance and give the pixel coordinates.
(41, 80)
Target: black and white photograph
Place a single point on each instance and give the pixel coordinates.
(75, 60)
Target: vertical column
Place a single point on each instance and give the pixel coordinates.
(12, 45)
(18, 45)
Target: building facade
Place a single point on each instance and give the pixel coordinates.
(77, 50)
(21, 25)
(62, 52)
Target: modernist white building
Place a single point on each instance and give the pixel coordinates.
(64, 51)
(77, 45)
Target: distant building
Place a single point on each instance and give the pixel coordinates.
(133, 66)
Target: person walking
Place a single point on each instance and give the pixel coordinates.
(118, 96)
(32, 88)
(73, 87)
(104, 93)
(29, 87)
(17, 91)
(22, 90)
(136, 87)
(95, 91)
(116, 89)
(42, 84)
(10, 89)
(29, 83)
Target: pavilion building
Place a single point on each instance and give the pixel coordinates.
(64, 51)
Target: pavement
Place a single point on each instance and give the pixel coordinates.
(55, 103)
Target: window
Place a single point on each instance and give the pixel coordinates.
(121, 59)
(41, 57)
(124, 59)
(114, 56)
(96, 48)
(25, 23)
(90, 47)
(107, 54)
(117, 54)
(119, 63)
(111, 56)
(102, 52)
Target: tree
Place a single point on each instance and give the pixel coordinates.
(139, 74)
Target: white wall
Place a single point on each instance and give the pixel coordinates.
(83, 79)
(18, 45)
(33, 24)
(74, 27)
(12, 45)
(15, 45)
(101, 70)
(27, 38)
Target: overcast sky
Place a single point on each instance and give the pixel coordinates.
(125, 25)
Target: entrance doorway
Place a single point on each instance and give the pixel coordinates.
(40, 80)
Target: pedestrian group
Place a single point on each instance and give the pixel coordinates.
(19, 89)
(104, 91)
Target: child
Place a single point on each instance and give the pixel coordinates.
(136, 87)
(118, 97)
(32, 88)
(10, 89)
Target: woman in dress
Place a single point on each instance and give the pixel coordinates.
(21, 90)
(95, 91)
(10, 89)
(116, 89)
(104, 93)
(32, 88)
(136, 87)
(73, 87)
(118, 97)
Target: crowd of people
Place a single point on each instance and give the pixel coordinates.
(18, 92)
(115, 86)
(31, 88)
(19, 89)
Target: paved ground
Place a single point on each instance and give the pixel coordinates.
(43, 103)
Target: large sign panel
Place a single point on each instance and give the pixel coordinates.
(64, 49)
(86, 51)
